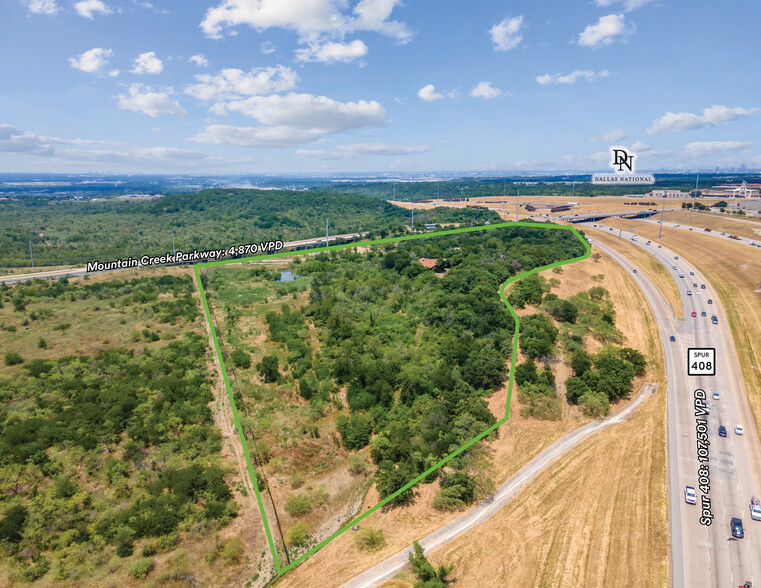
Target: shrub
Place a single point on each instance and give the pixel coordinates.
(298, 504)
(141, 568)
(368, 539)
(13, 358)
(240, 359)
(232, 550)
(297, 534)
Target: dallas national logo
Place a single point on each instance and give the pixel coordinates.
(622, 162)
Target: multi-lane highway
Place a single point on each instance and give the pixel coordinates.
(705, 555)
(80, 271)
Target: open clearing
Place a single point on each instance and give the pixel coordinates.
(734, 270)
(521, 439)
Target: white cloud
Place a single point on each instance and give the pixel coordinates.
(332, 52)
(200, 60)
(507, 34)
(42, 6)
(254, 136)
(149, 6)
(357, 149)
(267, 47)
(608, 29)
(293, 119)
(309, 18)
(144, 99)
(686, 121)
(429, 94)
(571, 78)
(611, 136)
(701, 148)
(88, 8)
(231, 84)
(14, 140)
(91, 61)
(147, 63)
(628, 5)
(485, 90)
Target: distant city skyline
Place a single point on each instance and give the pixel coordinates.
(376, 86)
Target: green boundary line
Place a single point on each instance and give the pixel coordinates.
(280, 571)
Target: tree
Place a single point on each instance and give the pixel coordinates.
(13, 358)
(581, 361)
(269, 369)
(240, 359)
(297, 534)
(596, 257)
(428, 576)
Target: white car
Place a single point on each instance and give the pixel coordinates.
(755, 509)
(689, 495)
(738, 430)
(715, 395)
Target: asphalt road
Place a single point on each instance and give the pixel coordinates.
(705, 555)
(702, 231)
(80, 271)
(482, 512)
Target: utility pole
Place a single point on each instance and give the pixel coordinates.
(412, 209)
(327, 238)
(573, 190)
(517, 203)
(660, 228)
(30, 252)
(619, 234)
(695, 198)
(173, 243)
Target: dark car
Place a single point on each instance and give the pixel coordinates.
(737, 528)
(694, 314)
(722, 431)
(672, 338)
(703, 313)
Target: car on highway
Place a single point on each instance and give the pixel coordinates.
(703, 313)
(722, 431)
(697, 292)
(677, 225)
(635, 271)
(715, 320)
(694, 314)
(676, 256)
(694, 285)
(674, 268)
(710, 301)
(692, 273)
(681, 275)
(755, 508)
(689, 292)
(738, 430)
(737, 528)
(689, 495)
(672, 338)
(723, 233)
(715, 395)
(702, 286)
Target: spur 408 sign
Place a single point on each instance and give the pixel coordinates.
(622, 161)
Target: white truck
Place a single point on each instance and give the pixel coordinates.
(755, 508)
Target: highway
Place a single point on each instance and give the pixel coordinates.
(482, 512)
(80, 271)
(702, 230)
(705, 555)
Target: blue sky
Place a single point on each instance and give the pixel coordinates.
(279, 86)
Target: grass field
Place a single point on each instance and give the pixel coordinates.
(521, 439)
(716, 223)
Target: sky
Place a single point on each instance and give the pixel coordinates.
(323, 86)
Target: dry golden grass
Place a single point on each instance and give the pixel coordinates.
(520, 439)
(716, 223)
